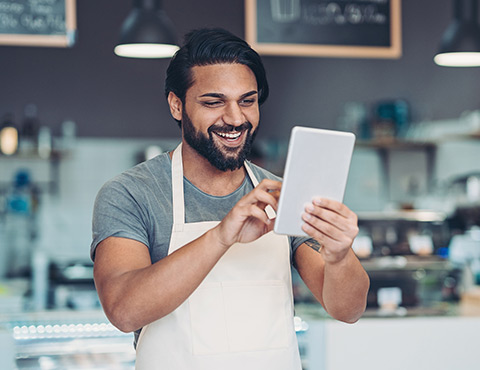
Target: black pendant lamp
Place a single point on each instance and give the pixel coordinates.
(460, 45)
(147, 32)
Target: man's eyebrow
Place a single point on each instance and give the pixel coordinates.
(250, 93)
(212, 95)
(223, 96)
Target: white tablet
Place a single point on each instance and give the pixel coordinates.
(317, 165)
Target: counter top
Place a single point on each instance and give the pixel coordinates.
(443, 309)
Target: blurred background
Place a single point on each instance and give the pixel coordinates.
(73, 117)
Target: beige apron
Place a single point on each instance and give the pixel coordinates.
(241, 315)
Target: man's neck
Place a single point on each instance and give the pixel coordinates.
(201, 173)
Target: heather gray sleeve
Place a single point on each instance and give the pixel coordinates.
(117, 212)
(296, 241)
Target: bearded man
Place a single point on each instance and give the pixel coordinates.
(184, 252)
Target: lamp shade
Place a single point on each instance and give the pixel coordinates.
(147, 32)
(460, 45)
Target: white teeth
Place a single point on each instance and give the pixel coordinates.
(229, 135)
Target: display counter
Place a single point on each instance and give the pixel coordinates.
(415, 340)
(65, 340)
(438, 336)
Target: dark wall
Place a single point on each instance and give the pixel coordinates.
(109, 96)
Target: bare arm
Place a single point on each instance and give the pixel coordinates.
(328, 265)
(135, 292)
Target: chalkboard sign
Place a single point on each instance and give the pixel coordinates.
(335, 28)
(37, 22)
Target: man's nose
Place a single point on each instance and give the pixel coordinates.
(233, 115)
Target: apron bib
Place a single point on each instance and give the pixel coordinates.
(240, 317)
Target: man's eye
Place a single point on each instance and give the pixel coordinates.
(247, 102)
(212, 103)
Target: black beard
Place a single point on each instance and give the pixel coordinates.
(205, 145)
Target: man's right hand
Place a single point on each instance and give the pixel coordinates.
(248, 221)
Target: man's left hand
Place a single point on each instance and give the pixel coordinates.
(333, 225)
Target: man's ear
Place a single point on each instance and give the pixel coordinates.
(176, 106)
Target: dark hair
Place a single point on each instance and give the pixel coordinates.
(208, 46)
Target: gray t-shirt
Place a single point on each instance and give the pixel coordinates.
(137, 204)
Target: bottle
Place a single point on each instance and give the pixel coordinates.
(44, 142)
(8, 136)
(20, 223)
(29, 130)
(40, 264)
(69, 133)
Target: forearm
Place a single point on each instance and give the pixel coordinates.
(345, 288)
(134, 298)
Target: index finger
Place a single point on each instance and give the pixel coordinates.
(265, 193)
(270, 185)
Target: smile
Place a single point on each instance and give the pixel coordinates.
(229, 135)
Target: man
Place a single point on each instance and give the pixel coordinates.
(184, 250)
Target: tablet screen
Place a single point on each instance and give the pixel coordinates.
(317, 165)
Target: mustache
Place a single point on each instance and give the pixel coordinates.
(229, 128)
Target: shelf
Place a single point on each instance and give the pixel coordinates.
(395, 144)
(474, 135)
(54, 155)
(44, 171)
(406, 263)
(403, 215)
(459, 137)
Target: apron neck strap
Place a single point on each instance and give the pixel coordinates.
(250, 174)
(178, 191)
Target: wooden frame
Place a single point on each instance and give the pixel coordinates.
(66, 40)
(392, 51)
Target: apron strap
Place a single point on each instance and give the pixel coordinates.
(178, 191)
(251, 175)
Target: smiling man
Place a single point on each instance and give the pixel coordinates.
(183, 248)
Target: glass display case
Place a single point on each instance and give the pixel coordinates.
(68, 340)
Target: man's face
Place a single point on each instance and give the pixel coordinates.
(227, 158)
(221, 115)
